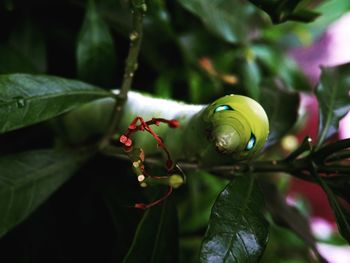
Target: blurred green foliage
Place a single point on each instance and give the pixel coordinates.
(192, 50)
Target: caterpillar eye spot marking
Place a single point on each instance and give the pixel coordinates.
(250, 143)
(222, 108)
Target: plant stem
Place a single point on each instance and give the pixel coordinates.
(298, 168)
(138, 11)
(324, 152)
(338, 156)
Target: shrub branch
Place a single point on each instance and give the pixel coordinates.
(297, 163)
(139, 9)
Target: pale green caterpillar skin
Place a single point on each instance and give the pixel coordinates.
(232, 128)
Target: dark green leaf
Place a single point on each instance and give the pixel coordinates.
(283, 10)
(293, 34)
(281, 107)
(163, 86)
(304, 15)
(202, 190)
(156, 236)
(237, 230)
(27, 179)
(156, 23)
(202, 86)
(340, 185)
(330, 11)
(8, 5)
(284, 246)
(333, 95)
(195, 86)
(118, 193)
(288, 216)
(25, 51)
(15, 62)
(277, 64)
(29, 43)
(251, 78)
(190, 248)
(342, 215)
(231, 20)
(96, 58)
(28, 99)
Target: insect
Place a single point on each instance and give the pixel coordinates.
(238, 126)
(232, 128)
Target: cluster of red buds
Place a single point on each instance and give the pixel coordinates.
(139, 124)
(145, 126)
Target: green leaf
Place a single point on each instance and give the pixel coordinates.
(342, 215)
(28, 99)
(25, 50)
(8, 4)
(285, 215)
(288, 216)
(281, 107)
(330, 11)
(340, 185)
(283, 10)
(190, 248)
(28, 41)
(163, 86)
(27, 179)
(202, 87)
(232, 20)
(202, 190)
(117, 193)
(276, 64)
(15, 62)
(333, 95)
(237, 230)
(294, 34)
(156, 237)
(284, 246)
(96, 58)
(251, 77)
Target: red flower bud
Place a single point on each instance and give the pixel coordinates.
(174, 123)
(123, 139)
(140, 206)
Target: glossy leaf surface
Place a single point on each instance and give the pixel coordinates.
(96, 58)
(283, 10)
(28, 99)
(341, 214)
(27, 179)
(281, 107)
(156, 237)
(237, 230)
(288, 216)
(230, 20)
(333, 95)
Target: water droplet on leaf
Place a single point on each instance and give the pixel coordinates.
(20, 102)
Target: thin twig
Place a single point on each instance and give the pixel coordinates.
(298, 167)
(138, 10)
(342, 155)
(329, 149)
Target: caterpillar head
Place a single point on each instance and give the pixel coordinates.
(237, 125)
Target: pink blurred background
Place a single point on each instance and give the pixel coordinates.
(332, 48)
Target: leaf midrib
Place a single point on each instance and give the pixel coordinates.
(59, 94)
(240, 215)
(14, 186)
(43, 171)
(160, 227)
(329, 114)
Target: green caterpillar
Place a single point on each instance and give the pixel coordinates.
(233, 127)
